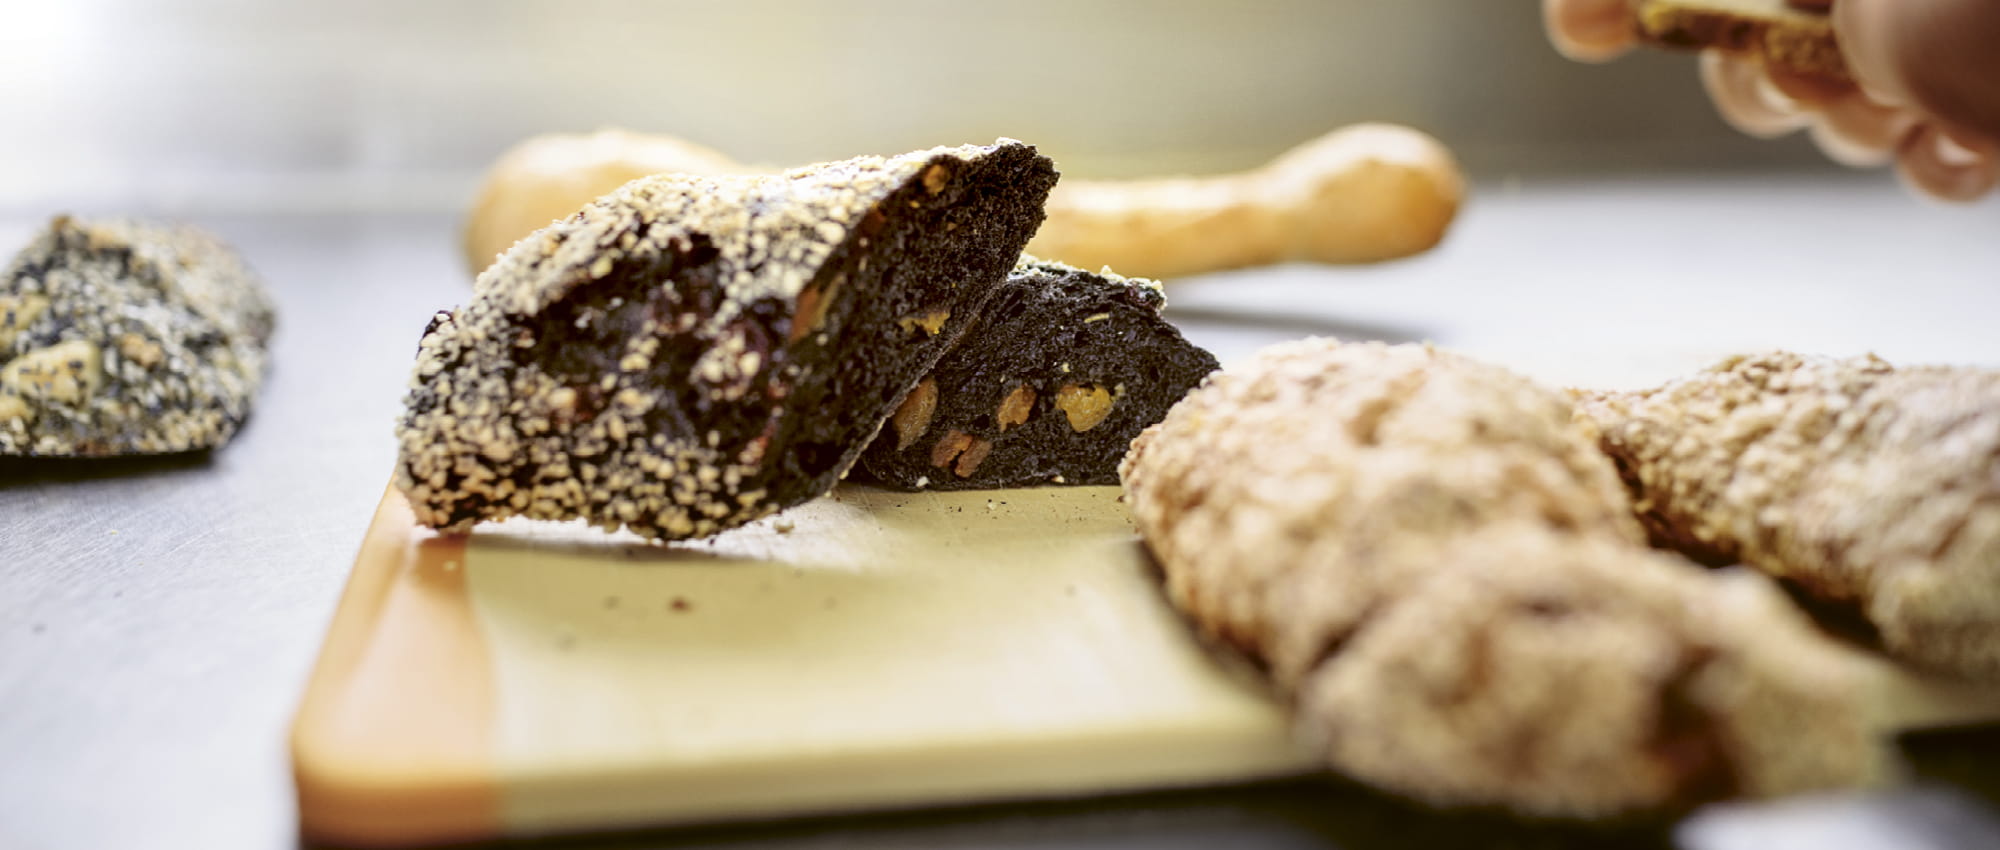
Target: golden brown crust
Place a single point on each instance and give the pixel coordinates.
(1861, 483)
(1439, 567)
(1797, 40)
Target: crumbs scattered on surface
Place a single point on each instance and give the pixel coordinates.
(783, 526)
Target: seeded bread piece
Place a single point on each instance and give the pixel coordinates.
(1440, 571)
(688, 354)
(1863, 484)
(127, 337)
(1050, 387)
(1798, 40)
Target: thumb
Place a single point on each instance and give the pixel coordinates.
(1936, 56)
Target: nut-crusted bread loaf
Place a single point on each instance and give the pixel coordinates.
(127, 337)
(1439, 569)
(1865, 485)
(1049, 387)
(688, 354)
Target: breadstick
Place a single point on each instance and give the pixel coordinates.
(553, 176)
(1862, 484)
(1434, 564)
(1363, 194)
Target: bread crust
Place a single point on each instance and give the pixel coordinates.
(1441, 572)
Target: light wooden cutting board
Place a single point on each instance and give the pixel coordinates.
(868, 650)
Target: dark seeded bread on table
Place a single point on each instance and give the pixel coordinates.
(688, 354)
(127, 337)
(1050, 387)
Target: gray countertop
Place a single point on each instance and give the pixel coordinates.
(158, 617)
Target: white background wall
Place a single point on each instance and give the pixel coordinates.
(189, 105)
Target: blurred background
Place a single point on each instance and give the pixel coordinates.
(217, 106)
(158, 619)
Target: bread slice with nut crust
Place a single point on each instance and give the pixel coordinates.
(688, 354)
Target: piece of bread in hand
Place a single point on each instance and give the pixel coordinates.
(1797, 40)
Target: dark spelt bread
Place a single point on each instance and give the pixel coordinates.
(1050, 387)
(124, 337)
(688, 354)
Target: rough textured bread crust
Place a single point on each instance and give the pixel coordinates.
(688, 354)
(1050, 387)
(1797, 40)
(127, 337)
(1439, 567)
(1863, 484)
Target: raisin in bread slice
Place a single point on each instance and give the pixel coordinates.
(127, 337)
(1049, 388)
(688, 354)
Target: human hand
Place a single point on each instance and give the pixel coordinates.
(1926, 91)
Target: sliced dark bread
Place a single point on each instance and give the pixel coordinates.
(688, 354)
(1050, 387)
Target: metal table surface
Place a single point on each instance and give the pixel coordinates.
(158, 617)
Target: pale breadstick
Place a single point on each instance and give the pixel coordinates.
(553, 176)
(1362, 194)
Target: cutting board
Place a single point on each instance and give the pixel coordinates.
(868, 650)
